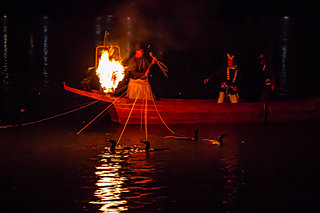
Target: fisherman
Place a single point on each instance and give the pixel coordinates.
(138, 70)
(229, 81)
(91, 80)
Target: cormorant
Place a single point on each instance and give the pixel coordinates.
(149, 149)
(217, 142)
(113, 146)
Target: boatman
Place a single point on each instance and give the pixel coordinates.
(138, 70)
(229, 81)
(266, 79)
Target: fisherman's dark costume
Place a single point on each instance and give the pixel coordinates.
(229, 85)
(266, 81)
(138, 87)
(137, 67)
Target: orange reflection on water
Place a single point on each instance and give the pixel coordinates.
(110, 183)
(125, 181)
(233, 175)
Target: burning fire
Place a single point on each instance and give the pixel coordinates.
(110, 72)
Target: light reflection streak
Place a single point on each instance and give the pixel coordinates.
(98, 26)
(45, 51)
(233, 176)
(125, 178)
(5, 74)
(110, 183)
(283, 76)
(102, 23)
(144, 189)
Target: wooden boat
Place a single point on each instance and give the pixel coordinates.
(192, 111)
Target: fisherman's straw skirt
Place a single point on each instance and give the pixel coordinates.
(139, 89)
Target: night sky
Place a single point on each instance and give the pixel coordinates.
(218, 7)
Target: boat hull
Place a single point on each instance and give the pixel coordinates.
(192, 111)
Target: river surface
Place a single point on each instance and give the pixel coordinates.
(47, 167)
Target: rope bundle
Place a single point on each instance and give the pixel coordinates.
(161, 65)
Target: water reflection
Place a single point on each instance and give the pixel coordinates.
(102, 24)
(45, 78)
(110, 182)
(126, 179)
(233, 177)
(4, 69)
(283, 81)
(142, 183)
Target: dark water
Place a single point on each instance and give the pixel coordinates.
(48, 168)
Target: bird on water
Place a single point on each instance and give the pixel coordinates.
(149, 149)
(218, 142)
(114, 144)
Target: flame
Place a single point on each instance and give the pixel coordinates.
(110, 72)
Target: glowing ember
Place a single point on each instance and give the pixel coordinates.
(110, 72)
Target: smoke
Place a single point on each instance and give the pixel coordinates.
(166, 25)
(192, 36)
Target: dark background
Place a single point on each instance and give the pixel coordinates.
(190, 37)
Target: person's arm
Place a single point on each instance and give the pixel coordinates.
(273, 78)
(154, 60)
(210, 78)
(216, 76)
(235, 86)
(205, 81)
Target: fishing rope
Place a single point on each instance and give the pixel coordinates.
(121, 88)
(125, 125)
(45, 119)
(100, 113)
(145, 117)
(161, 117)
(163, 68)
(161, 65)
(141, 119)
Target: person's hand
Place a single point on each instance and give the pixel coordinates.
(154, 60)
(145, 76)
(272, 87)
(234, 88)
(206, 80)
